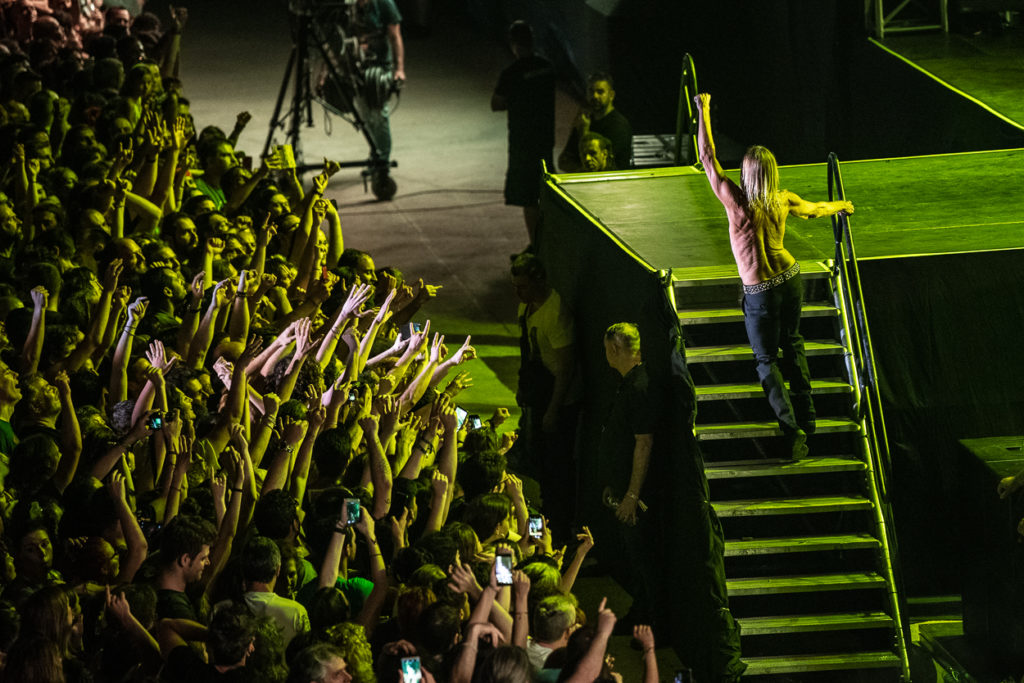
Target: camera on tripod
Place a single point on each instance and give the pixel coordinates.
(333, 66)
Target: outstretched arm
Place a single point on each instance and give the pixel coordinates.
(724, 189)
(801, 208)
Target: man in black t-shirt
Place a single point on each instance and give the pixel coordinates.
(625, 452)
(600, 116)
(526, 90)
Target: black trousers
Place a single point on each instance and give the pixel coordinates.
(772, 319)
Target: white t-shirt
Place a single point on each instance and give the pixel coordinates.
(290, 616)
(552, 327)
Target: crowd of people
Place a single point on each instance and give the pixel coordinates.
(226, 451)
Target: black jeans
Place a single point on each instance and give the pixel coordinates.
(772, 319)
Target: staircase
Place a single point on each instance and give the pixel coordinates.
(808, 566)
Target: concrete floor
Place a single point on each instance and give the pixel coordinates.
(448, 223)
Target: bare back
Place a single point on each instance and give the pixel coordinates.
(756, 240)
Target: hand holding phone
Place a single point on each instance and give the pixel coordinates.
(536, 526)
(411, 671)
(351, 511)
(503, 569)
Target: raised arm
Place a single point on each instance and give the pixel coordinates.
(34, 341)
(133, 536)
(724, 189)
(380, 469)
(71, 435)
(123, 351)
(589, 667)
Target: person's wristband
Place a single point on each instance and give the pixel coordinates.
(130, 329)
(632, 495)
(650, 649)
(238, 490)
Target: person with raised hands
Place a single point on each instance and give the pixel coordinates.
(99, 318)
(592, 664)
(497, 597)
(644, 635)
(488, 620)
(419, 385)
(33, 347)
(350, 309)
(123, 351)
(464, 353)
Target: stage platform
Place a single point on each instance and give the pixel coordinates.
(950, 203)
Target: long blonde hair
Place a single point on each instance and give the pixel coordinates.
(760, 180)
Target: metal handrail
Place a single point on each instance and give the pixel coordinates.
(867, 397)
(846, 264)
(686, 124)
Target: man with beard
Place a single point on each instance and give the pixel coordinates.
(598, 116)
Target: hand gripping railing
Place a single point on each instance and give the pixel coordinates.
(686, 114)
(867, 396)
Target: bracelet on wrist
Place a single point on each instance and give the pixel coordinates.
(632, 495)
(238, 490)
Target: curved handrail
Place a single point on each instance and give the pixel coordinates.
(686, 124)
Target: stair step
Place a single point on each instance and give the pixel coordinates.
(733, 392)
(733, 469)
(812, 623)
(789, 664)
(701, 276)
(745, 547)
(735, 352)
(734, 314)
(805, 583)
(750, 430)
(790, 506)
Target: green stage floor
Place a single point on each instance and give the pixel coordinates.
(916, 205)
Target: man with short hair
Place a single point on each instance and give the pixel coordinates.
(230, 640)
(627, 441)
(526, 90)
(599, 115)
(772, 290)
(216, 157)
(320, 663)
(553, 620)
(261, 565)
(596, 152)
(184, 556)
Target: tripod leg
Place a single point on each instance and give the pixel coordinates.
(274, 120)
